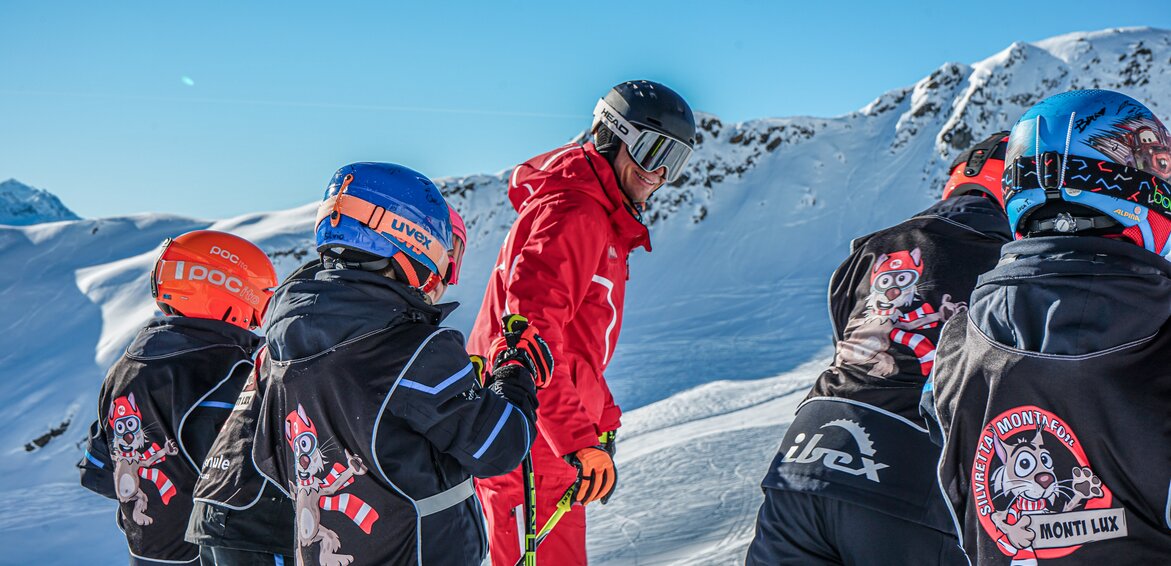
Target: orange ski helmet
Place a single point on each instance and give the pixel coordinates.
(979, 170)
(214, 275)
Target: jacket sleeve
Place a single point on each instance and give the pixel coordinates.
(97, 471)
(844, 284)
(611, 413)
(269, 454)
(440, 397)
(553, 271)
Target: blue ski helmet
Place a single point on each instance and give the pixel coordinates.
(1098, 150)
(382, 209)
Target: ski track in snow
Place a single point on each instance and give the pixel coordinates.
(689, 476)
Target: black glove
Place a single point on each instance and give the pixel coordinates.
(515, 384)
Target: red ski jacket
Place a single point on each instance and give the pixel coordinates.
(564, 266)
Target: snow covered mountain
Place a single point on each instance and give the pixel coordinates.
(734, 290)
(22, 205)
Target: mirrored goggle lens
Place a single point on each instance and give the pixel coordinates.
(457, 256)
(653, 150)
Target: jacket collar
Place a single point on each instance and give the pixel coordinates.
(979, 213)
(172, 335)
(1072, 295)
(625, 219)
(309, 316)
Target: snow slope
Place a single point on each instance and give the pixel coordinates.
(744, 245)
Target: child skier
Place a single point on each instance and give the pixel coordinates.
(163, 401)
(374, 420)
(854, 481)
(1053, 389)
(241, 518)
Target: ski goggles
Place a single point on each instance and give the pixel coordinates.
(456, 254)
(651, 150)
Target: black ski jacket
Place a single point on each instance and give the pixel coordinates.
(1053, 393)
(235, 505)
(375, 424)
(858, 436)
(159, 410)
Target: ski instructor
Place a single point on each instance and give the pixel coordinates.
(564, 266)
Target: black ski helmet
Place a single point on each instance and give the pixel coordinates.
(653, 106)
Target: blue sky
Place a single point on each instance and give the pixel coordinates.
(213, 109)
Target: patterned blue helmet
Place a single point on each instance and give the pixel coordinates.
(1096, 149)
(381, 209)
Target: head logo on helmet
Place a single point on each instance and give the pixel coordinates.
(1090, 160)
(214, 275)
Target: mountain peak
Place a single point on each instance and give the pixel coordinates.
(22, 205)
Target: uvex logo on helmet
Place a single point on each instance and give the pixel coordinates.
(216, 277)
(411, 232)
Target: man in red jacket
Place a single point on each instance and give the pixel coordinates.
(564, 266)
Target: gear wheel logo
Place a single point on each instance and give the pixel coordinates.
(863, 463)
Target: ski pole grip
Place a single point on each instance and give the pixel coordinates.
(514, 326)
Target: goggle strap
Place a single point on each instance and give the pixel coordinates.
(1090, 175)
(608, 116)
(380, 220)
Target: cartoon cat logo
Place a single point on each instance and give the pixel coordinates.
(1022, 500)
(312, 494)
(130, 461)
(894, 308)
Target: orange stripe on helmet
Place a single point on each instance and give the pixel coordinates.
(384, 222)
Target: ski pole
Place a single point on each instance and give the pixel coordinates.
(530, 550)
(514, 326)
(563, 507)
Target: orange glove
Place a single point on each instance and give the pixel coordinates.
(522, 345)
(596, 476)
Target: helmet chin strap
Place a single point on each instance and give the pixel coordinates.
(405, 268)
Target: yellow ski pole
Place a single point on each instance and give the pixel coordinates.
(563, 507)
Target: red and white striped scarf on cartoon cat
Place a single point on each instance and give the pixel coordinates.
(894, 278)
(126, 422)
(301, 435)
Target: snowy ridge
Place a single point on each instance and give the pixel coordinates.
(22, 205)
(744, 244)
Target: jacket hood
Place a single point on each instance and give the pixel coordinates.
(1072, 295)
(310, 316)
(174, 334)
(579, 169)
(982, 214)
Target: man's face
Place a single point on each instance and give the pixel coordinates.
(636, 183)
